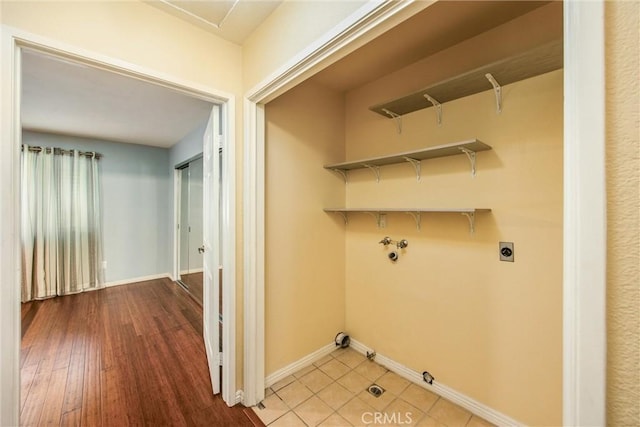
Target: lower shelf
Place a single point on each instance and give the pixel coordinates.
(470, 213)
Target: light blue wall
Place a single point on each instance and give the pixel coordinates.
(137, 201)
(188, 147)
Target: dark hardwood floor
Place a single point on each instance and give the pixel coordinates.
(127, 355)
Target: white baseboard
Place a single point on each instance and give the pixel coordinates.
(138, 279)
(299, 364)
(473, 406)
(192, 271)
(240, 397)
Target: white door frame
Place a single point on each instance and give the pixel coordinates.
(584, 241)
(13, 41)
(211, 257)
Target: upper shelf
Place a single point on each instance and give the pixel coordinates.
(469, 147)
(534, 62)
(416, 213)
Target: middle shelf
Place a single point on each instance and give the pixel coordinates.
(416, 213)
(468, 147)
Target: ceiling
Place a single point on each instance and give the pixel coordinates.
(437, 27)
(233, 20)
(67, 98)
(63, 97)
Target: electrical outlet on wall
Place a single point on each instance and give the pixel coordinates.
(104, 265)
(506, 251)
(383, 220)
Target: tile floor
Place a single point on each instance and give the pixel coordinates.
(333, 392)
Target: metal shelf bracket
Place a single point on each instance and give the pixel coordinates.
(498, 91)
(417, 165)
(375, 169)
(438, 107)
(344, 215)
(376, 216)
(397, 118)
(471, 216)
(471, 155)
(417, 218)
(342, 173)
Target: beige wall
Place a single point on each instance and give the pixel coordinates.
(287, 32)
(304, 251)
(622, 20)
(134, 32)
(491, 330)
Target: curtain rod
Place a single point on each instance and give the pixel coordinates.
(62, 151)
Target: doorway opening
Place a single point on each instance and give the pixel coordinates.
(189, 225)
(224, 103)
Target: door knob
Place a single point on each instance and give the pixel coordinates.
(201, 249)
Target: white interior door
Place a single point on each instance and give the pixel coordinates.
(211, 239)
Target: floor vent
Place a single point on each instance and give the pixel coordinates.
(375, 390)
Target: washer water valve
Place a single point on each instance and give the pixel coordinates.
(400, 244)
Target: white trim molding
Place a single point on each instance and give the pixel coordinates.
(228, 251)
(138, 279)
(584, 277)
(10, 139)
(254, 254)
(294, 367)
(473, 406)
(347, 35)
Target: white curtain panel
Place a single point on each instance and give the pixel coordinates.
(61, 224)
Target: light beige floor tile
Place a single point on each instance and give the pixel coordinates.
(304, 371)
(349, 357)
(335, 395)
(288, 420)
(355, 410)
(427, 421)
(294, 394)
(354, 382)
(334, 368)
(405, 413)
(449, 414)
(377, 403)
(370, 370)
(322, 361)
(283, 383)
(273, 409)
(335, 420)
(313, 411)
(478, 422)
(393, 383)
(419, 397)
(316, 380)
(268, 392)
